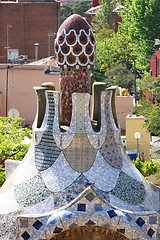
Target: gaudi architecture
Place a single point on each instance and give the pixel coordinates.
(76, 182)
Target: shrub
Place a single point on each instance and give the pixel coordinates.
(147, 168)
(12, 135)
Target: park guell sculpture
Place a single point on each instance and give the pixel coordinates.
(76, 182)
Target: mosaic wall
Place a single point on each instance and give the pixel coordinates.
(88, 210)
(73, 162)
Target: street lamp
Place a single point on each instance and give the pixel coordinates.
(137, 135)
(8, 26)
(36, 51)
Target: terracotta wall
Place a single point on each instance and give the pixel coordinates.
(124, 106)
(21, 81)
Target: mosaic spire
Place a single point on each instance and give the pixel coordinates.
(75, 49)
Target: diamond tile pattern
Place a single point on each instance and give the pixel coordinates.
(112, 213)
(25, 235)
(140, 222)
(73, 225)
(58, 229)
(150, 232)
(90, 222)
(37, 225)
(90, 196)
(81, 207)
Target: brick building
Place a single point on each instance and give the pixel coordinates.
(22, 24)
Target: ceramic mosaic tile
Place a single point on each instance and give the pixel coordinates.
(27, 169)
(111, 150)
(63, 141)
(8, 229)
(46, 151)
(97, 140)
(80, 154)
(102, 174)
(129, 190)
(71, 192)
(60, 173)
(80, 122)
(31, 192)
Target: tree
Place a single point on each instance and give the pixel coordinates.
(76, 8)
(66, 11)
(113, 50)
(141, 22)
(104, 18)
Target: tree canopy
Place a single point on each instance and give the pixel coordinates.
(104, 18)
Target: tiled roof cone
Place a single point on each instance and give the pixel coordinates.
(76, 178)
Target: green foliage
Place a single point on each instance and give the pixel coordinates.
(104, 33)
(11, 137)
(2, 175)
(75, 8)
(142, 23)
(104, 18)
(147, 168)
(66, 11)
(11, 141)
(115, 49)
(120, 76)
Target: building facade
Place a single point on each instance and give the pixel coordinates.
(26, 23)
(155, 64)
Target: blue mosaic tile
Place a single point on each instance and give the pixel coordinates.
(31, 192)
(140, 222)
(58, 230)
(150, 232)
(90, 196)
(112, 213)
(121, 230)
(23, 223)
(102, 194)
(129, 190)
(25, 235)
(52, 219)
(67, 214)
(153, 220)
(81, 207)
(37, 225)
(128, 217)
(89, 223)
(71, 192)
(98, 207)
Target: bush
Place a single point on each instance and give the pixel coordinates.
(147, 168)
(12, 135)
